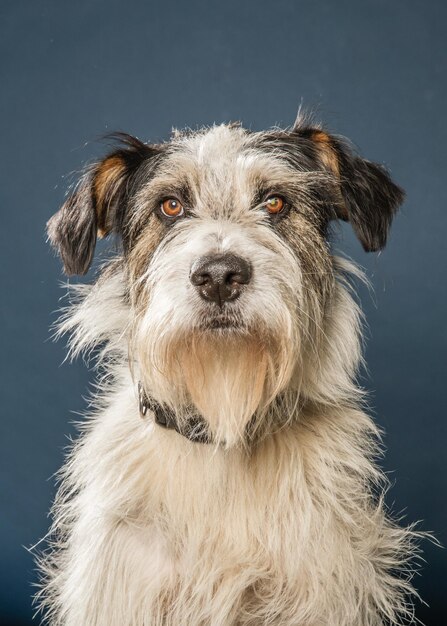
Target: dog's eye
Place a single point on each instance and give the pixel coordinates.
(171, 207)
(274, 204)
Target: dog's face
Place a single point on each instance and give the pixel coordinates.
(229, 274)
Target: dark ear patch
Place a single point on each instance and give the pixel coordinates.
(72, 230)
(369, 198)
(96, 206)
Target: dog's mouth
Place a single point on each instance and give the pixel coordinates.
(222, 320)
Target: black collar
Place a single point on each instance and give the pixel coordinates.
(195, 428)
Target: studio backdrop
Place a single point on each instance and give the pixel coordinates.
(373, 70)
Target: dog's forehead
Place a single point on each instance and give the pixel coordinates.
(226, 159)
(215, 144)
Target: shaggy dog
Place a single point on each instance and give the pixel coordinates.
(227, 475)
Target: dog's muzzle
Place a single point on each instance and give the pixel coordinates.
(220, 278)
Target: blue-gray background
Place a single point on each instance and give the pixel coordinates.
(71, 71)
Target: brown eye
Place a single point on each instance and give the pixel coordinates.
(274, 204)
(171, 207)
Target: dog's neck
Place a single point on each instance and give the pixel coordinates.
(194, 428)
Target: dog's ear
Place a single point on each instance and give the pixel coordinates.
(369, 198)
(94, 208)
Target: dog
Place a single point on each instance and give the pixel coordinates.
(227, 474)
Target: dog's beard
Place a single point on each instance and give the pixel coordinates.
(231, 379)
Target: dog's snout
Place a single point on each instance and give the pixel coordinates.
(219, 278)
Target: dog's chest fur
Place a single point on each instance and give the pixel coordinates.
(171, 532)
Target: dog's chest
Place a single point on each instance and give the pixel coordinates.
(211, 523)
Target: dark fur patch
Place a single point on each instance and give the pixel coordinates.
(98, 204)
(72, 231)
(370, 197)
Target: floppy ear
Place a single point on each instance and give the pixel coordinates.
(369, 198)
(95, 206)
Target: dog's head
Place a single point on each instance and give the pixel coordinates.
(231, 282)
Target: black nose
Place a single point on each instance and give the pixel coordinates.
(220, 277)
